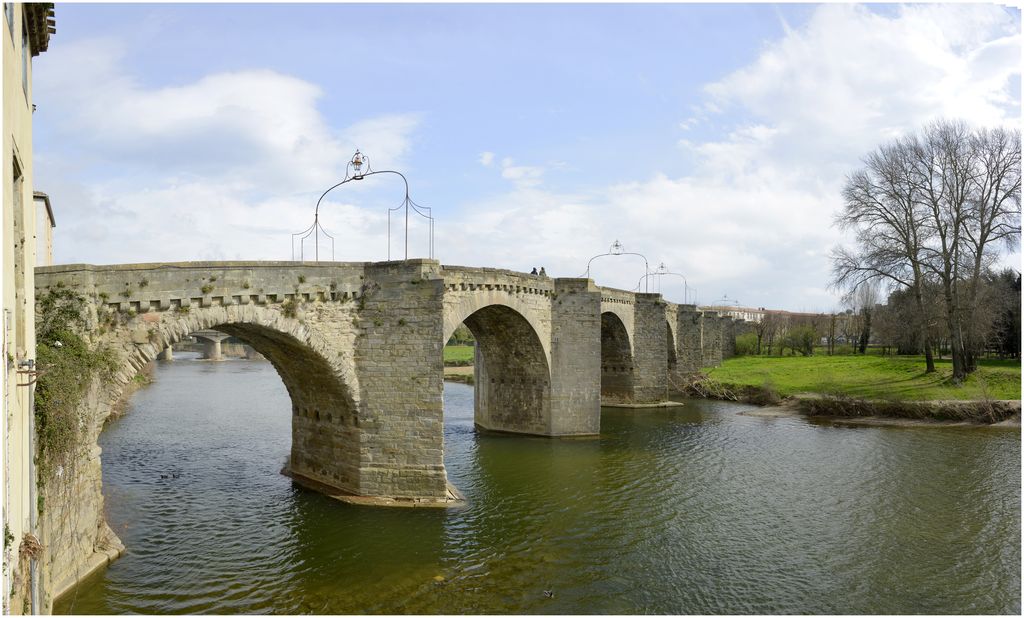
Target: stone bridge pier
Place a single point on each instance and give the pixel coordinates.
(211, 343)
(638, 343)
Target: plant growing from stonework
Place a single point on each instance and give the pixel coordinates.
(67, 363)
(290, 308)
(206, 289)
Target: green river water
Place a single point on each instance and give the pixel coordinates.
(695, 509)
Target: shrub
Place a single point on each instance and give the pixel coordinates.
(746, 344)
(290, 308)
(68, 364)
(800, 339)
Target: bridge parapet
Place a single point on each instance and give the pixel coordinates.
(466, 278)
(617, 296)
(139, 288)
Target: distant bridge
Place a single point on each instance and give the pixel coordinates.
(359, 349)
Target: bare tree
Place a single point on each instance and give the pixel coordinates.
(993, 215)
(761, 330)
(882, 208)
(865, 301)
(773, 328)
(944, 169)
(931, 207)
(830, 336)
(970, 185)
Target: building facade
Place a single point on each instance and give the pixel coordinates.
(746, 314)
(44, 229)
(26, 32)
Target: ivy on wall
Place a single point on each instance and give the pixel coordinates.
(67, 363)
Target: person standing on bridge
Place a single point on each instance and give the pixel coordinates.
(534, 271)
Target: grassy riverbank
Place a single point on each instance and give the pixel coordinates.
(870, 377)
(458, 355)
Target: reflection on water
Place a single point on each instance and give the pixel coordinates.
(685, 510)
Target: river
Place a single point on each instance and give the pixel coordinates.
(695, 509)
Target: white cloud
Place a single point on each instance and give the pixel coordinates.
(522, 175)
(688, 124)
(754, 219)
(486, 158)
(166, 170)
(855, 75)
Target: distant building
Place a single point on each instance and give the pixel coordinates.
(26, 33)
(751, 314)
(740, 313)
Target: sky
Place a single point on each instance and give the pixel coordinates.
(714, 139)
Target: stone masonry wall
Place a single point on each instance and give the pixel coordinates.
(712, 340)
(576, 358)
(672, 338)
(650, 349)
(728, 337)
(399, 360)
(689, 326)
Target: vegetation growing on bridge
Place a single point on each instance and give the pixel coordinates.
(68, 362)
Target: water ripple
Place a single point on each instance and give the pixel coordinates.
(682, 510)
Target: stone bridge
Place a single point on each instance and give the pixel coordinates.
(359, 349)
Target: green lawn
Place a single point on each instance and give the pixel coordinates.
(458, 355)
(871, 377)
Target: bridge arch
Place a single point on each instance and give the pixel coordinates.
(616, 360)
(670, 335)
(513, 376)
(462, 306)
(325, 418)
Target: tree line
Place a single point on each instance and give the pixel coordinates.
(864, 325)
(929, 213)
